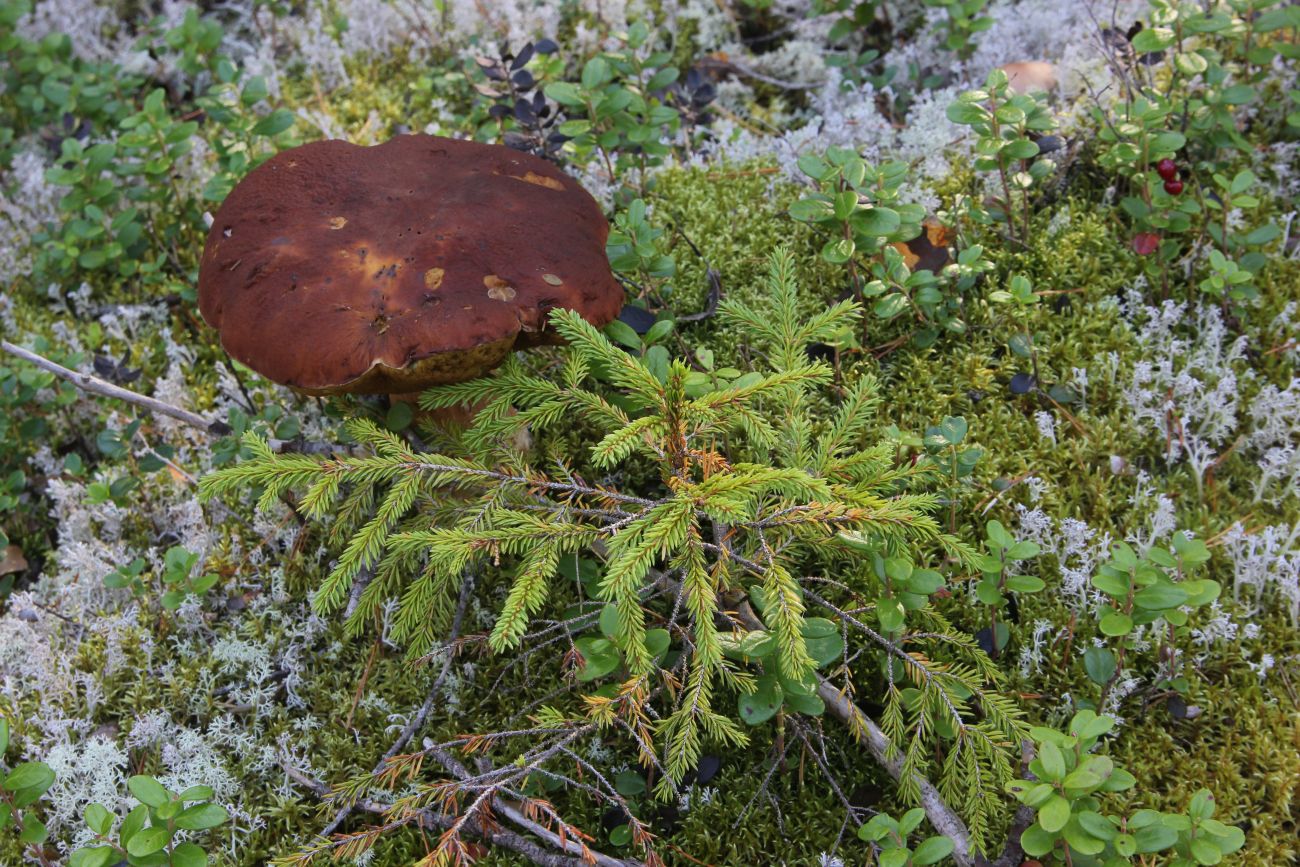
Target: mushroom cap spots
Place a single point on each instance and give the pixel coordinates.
(338, 268)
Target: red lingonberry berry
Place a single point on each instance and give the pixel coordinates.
(1167, 169)
(1173, 188)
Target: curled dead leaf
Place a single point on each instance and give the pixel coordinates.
(13, 560)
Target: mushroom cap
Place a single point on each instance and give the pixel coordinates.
(336, 268)
(1030, 76)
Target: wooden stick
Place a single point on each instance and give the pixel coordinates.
(103, 388)
(942, 817)
(526, 847)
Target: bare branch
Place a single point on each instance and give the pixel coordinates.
(505, 839)
(103, 388)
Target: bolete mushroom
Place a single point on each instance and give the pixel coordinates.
(335, 268)
(1030, 76)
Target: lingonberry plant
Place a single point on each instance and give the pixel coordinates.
(1006, 125)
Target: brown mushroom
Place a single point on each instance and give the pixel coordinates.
(336, 268)
(1030, 76)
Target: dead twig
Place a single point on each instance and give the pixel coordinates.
(505, 839)
(416, 722)
(103, 388)
(513, 812)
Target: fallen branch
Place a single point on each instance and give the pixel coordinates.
(103, 388)
(511, 811)
(944, 819)
(505, 839)
(409, 730)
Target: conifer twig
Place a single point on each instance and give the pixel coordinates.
(505, 839)
(103, 388)
(409, 730)
(514, 814)
(944, 819)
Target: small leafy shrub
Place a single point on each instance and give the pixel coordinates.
(962, 21)
(1006, 125)
(20, 789)
(857, 206)
(1072, 824)
(618, 108)
(525, 120)
(1001, 576)
(177, 579)
(1147, 590)
(149, 835)
(890, 837)
(154, 834)
(637, 249)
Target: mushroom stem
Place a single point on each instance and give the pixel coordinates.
(458, 418)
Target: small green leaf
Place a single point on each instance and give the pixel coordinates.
(823, 640)
(98, 819)
(761, 705)
(1080, 840)
(188, 855)
(147, 790)
(1205, 851)
(659, 331)
(1036, 841)
(399, 416)
(967, 113)
(1154, 838)
(877, 221)
(1119, 780)
(893, 858)
(132, 824)
(274, 123)
(809, 705)
(1116, 623)
(932, 851)
(1054, 815)
(565, 93)
(1053, 762)
(812, 210)
(629, 784)
(813, 166)
(1202, 805)
(954, 429)
(200, 817)
(1025, 584)
(838, 251)
(34, 831)
(98, 856)
(620, 332)
(1096, 824)
(1082, 778)
(30, 775)
(1160, 595)
(146, 841)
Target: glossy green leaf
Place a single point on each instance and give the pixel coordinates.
(200, 817)
(146, 841)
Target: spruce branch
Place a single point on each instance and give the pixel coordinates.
(742, 489)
